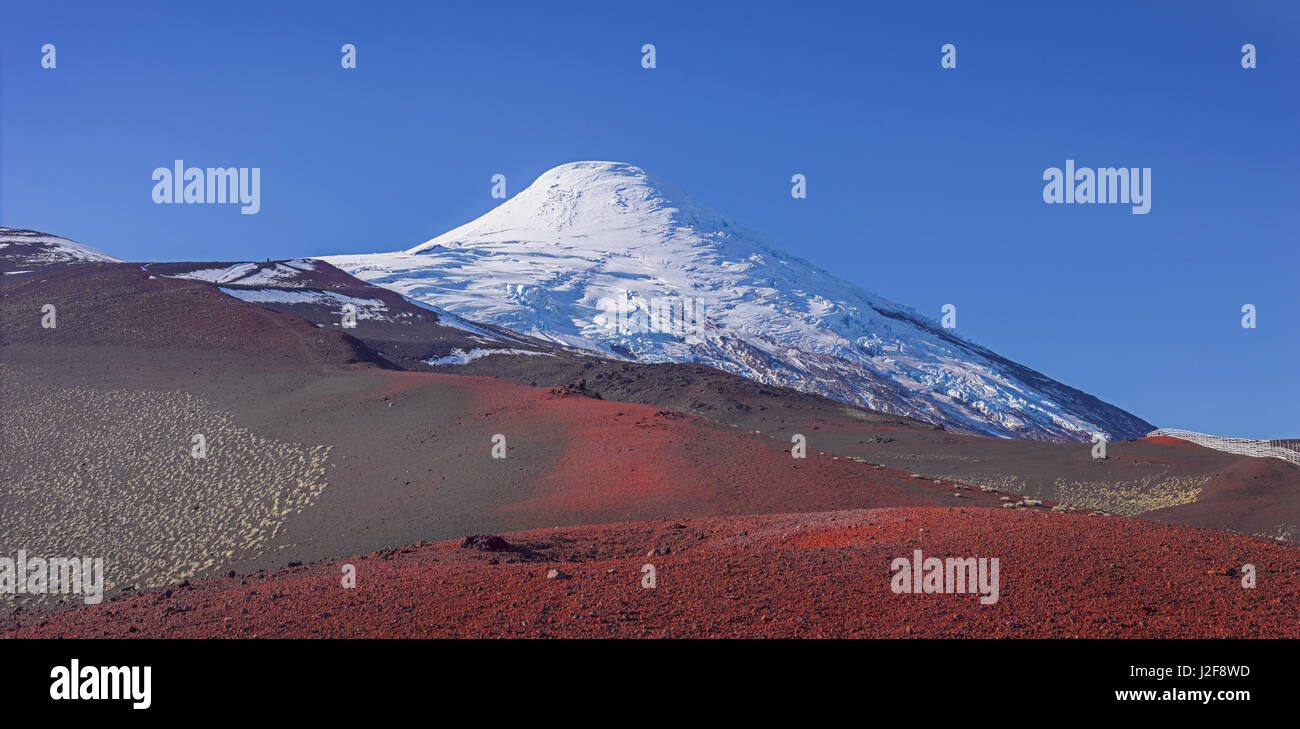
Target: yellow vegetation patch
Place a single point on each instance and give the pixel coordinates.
(110, 474)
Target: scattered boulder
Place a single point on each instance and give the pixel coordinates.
(485, 543)
(578, 389)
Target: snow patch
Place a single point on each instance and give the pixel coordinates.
(460, 356)
(366, 308)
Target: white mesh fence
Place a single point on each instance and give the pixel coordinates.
(1287, 450)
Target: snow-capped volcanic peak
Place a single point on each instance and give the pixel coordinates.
(31, 249)
(619, 203)
(604, 256)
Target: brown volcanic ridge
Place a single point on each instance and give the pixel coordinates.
(320, 447)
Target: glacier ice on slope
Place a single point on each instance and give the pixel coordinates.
(547, 261)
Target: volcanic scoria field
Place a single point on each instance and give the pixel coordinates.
(817, 574)
(378, 481)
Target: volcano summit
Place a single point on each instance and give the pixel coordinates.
(549, 261)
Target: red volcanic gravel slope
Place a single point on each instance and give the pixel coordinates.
(811, 575)
(619, 460)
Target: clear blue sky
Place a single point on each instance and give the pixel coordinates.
(924, 185)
